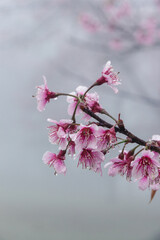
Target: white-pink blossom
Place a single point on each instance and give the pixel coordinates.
(44, 95)
(92, 159)
(73, 101)
(105, 138)
(145, 168)
(91, 101)
(56, 161)
(109, 77)
(85, 137)
(59, 132)
(121, 165)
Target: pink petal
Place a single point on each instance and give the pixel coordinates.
(143, 183)
(60, 167)
(48, 156)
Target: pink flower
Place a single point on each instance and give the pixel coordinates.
(85, 137)
(91, 101)
(92, 159)
(121, 165)
(57, 161)
(73, 101)
(109, 77)
(59, 132)
(44, 95)
(145, 168)
(105, 138)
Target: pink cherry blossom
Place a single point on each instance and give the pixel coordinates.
(73, 101)
(56, 161)
(85, 137)
(121, 165)
(109, 77)
(44, 95)
(59, 133)
(92, 159)
(105, 138)
(91, 101)
(145, 168)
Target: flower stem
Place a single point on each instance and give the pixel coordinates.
(124, 141)
(74, 113)
(138, 152)
(93, 85)
(66, 94)
(103, 111)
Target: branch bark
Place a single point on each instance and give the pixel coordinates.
(123, 131)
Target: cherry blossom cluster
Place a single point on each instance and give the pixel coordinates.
(93, 138)
(125, 25)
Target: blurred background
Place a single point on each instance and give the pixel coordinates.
(69, 42)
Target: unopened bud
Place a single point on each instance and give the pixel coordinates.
(120, 123)
(130, 153)
(121, 156)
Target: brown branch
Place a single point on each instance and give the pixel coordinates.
(123, 130)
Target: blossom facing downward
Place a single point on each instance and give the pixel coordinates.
(92, 102)
(85, 137)
(109, 77)
(92, 159)
(121, 165)
(56, 161)
(59, 133)
(105, 138)
(44, 95)
(145, 168)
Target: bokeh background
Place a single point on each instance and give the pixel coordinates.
(46, 37)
